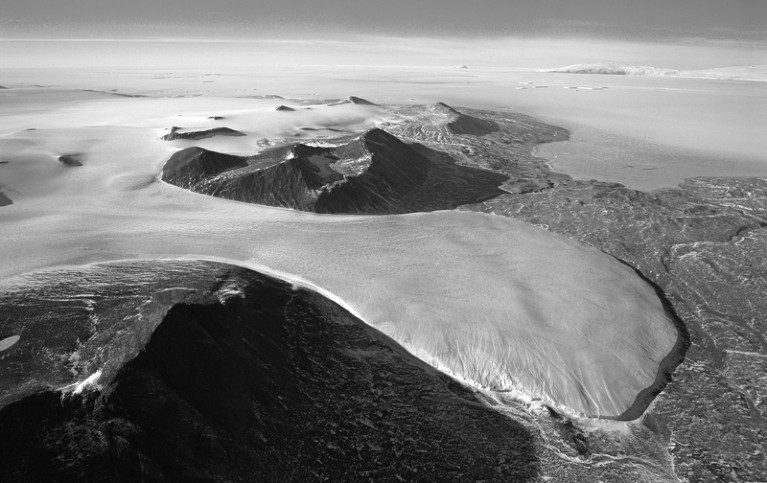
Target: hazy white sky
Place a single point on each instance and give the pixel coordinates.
(681, 34)
(645, 19)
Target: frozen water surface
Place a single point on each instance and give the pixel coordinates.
(499, 303)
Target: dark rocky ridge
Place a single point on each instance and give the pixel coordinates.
(359, 100)
(284, 108)
(202, 134)
(371, 173)
(4, 200)
(230, 375)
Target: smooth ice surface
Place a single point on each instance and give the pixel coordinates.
(499, 303)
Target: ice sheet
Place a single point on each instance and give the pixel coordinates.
(502, 304)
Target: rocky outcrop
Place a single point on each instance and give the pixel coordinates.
(372, 173)
(284, 108)
(230, 375)
(359, 100)
(4, 200)
(176, 133)
(71, 160)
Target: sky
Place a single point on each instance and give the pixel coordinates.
(682, 34)
(645, 19)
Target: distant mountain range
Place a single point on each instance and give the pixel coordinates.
(750, 73)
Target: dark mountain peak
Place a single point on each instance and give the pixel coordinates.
(379, 135)
(359, 100)
(191, 165)
(176, 133)
(465, 124)
(441, 106)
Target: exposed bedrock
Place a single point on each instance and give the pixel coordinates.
(372, 173)
(223, 374)
(177, 133)
(71, 160)
(4, 200)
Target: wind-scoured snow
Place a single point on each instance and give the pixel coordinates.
(497, 302)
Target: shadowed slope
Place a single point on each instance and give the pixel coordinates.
(253, 381)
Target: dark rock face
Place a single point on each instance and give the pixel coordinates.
(240, 377)
(373, 173)
(284, 108)
(4, 200)
(71, 160)
(203, 134)
(359, 100)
